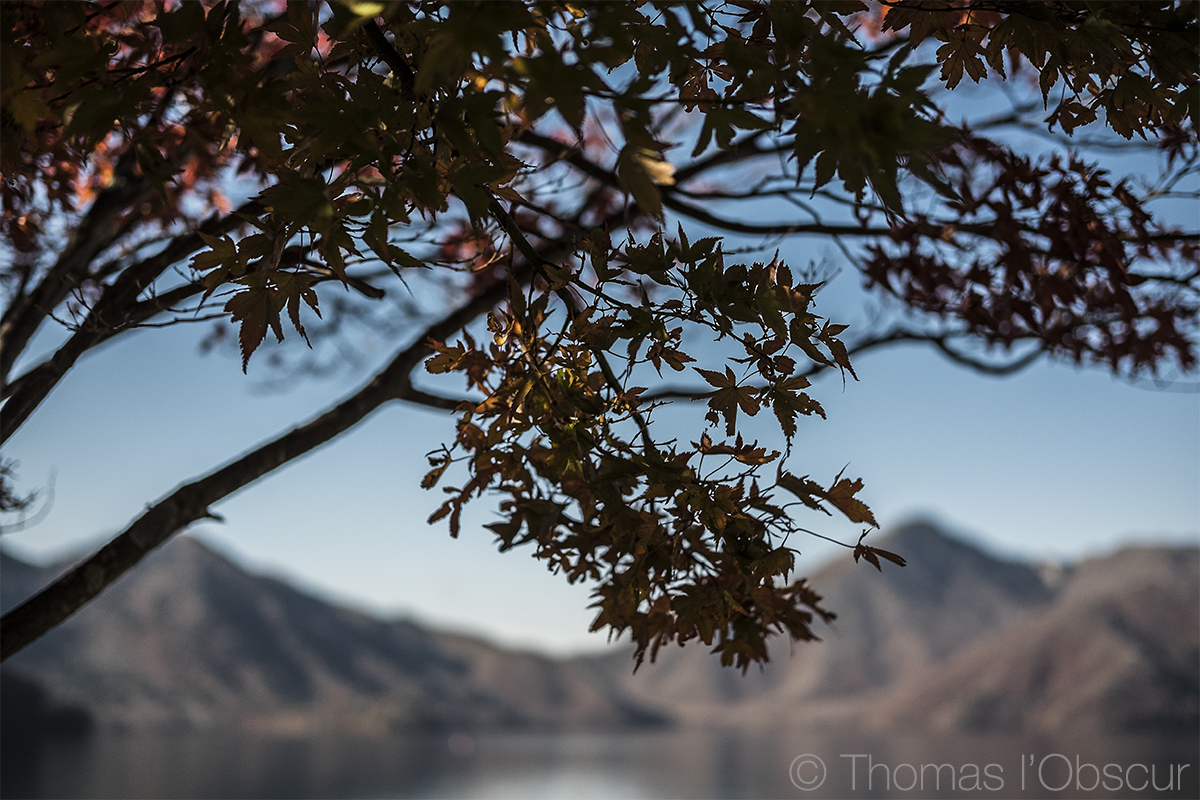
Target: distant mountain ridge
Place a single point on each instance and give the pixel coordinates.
(961, 641)
(957, 640)
(188, 639)
(1117, 651)
(890, 626)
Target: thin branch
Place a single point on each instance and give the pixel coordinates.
(531, 255)
(423, 398)
(983, 366)
(190, 503)
(575, 158)
(670, 198)
(772, 229)
(181, 320)
(897, 336)
(1187, 281)
(107, 316)
(389, 54)
(100, 226)
(738, 151)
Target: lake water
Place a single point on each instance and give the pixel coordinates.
(651, 764)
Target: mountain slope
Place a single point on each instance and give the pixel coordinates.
(20, 580)
(1118, 652)
(956, 641)
(889, 626)
(189, 639)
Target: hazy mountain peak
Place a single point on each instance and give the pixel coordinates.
(19, 580)
(189, 638)
(941, 563)
(958, 637)
(1117, 651)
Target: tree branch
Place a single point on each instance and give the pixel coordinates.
(575, 158)
(390, 54)
(894, 337)
(671, 199)
(982, 366)
(136, 315)
(109, 315)
(190, 502)
(100, 226)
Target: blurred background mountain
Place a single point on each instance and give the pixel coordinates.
(959, 643)
(956, 641)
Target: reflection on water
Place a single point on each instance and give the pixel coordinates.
(681, 764)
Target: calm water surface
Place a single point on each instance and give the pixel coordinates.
(659, 764)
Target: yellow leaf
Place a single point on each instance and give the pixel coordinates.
(660, 171)
(363, 9)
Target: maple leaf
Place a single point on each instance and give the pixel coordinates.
(746, 453)
(676, 359)
(661, 351)
(256, 308)
(809, 492)
(447, 358)
(841, 494)
(438, 466)
(787, 400)
(728, 396)
(695, 88)
(300, 31)
(871, 554)
(779, 561)
(296, 287)
(222, 251)
(837, 348)
(962, 51)
(641, 172)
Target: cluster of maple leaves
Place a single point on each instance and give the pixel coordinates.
(1053, 266)
(361, 119)
(685, 541)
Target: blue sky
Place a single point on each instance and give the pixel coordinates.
(1053, 463)
(1056, 462)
